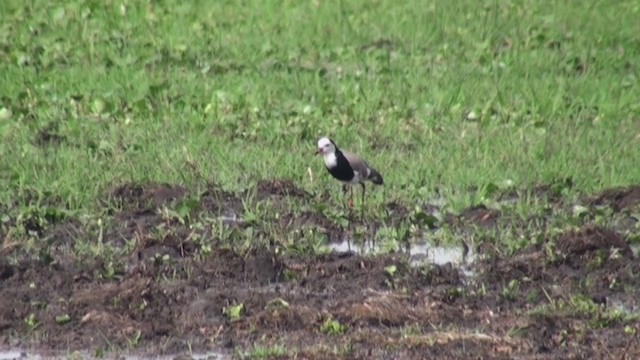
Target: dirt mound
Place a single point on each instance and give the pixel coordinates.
(618, 199)
(279, 187)
(551, 193)
(311, 220)
(285, 318)
(578, 248)
(216, 201)
(396, 212)
(479, 215)
(6, 270)
(149, 196)
(173, 244)
(164, 283)
(62, 236)
(592, 261)
(385, 308)
(91, 297)
(33, 211)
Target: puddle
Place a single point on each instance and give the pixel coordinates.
(420, 254)
(15, 354)
(635, 248)
(230, 218)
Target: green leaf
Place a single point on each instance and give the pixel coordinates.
(629, 330)
(234, 312)
(391, 270)
(185, 208)
(490, 189)
(63, 319)
(580, 211)
(277, 303)
(424, 219)
(333, 327)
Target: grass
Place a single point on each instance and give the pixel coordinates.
(265, 352)
(444, 95)
(581, 306)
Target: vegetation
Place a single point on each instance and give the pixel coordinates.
(438, 96)
(161, 188)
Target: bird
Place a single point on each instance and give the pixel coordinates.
(348, 168)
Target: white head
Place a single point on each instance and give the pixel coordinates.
(326, 146)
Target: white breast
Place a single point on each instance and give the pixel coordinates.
(330, 160)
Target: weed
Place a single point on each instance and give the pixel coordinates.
(511, 290)
(391, 270)
(580, 305)
(333, 327)
(233, 312)
(31, 322)
(264, 352)
(277, 303)
(134, 340)
(630, 330)
(62, 319)
(112, 271)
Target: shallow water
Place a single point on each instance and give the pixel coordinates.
(15, 354)
(636, 249)
(420, 254)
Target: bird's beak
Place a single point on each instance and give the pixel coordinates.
(318, 151)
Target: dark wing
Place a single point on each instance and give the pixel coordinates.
(363, 168)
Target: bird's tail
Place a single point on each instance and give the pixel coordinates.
(375, 177)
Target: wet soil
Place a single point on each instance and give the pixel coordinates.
(618, 199)
(151, 282)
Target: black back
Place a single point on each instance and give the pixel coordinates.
(342, 171)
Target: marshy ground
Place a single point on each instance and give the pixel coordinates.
(159, 193)
(163, 280)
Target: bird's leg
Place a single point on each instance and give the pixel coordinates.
(349, 215)
(362, 211)
(351, 197)
(362, 203)
(345, 190)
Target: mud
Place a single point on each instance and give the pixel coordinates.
(618, 199)
(144, 281)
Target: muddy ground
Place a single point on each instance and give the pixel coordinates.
(145, 280)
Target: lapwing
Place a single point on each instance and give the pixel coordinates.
(348, 168)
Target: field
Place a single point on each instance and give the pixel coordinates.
(160, 194)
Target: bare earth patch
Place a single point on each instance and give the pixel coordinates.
(162, 294)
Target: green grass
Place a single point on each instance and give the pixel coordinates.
(146, 91)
